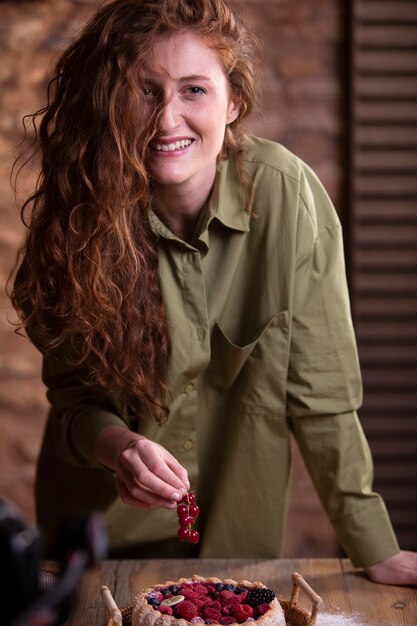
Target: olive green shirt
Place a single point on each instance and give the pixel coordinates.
(262, 344)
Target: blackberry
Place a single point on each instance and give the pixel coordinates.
(260, 595)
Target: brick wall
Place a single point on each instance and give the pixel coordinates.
(300, 104)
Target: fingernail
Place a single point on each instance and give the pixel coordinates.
(176, 496)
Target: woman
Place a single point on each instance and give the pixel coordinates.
(186, 286)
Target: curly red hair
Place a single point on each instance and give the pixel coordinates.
(88, 285)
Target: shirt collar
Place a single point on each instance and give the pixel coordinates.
(226, 204)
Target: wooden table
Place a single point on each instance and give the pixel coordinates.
(345, 591)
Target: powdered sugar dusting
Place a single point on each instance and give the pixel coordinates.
(341, 619)
(331, 619)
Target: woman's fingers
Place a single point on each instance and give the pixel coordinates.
(150, 476)
(150, 503)
(162, 466)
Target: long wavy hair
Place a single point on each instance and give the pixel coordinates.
(87, 287)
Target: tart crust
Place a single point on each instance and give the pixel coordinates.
(144, 614)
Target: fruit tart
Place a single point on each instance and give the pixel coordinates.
(207, 601)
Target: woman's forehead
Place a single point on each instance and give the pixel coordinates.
(183, 54)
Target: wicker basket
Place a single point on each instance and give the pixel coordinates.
(294, 615)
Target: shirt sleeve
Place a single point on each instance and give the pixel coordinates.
(79, 415)
(324, 385)
(339, 462)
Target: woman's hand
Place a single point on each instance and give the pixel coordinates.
(147, 475)
(399, 569)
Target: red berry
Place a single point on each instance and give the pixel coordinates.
(227, 597)
(209, 613)
(165, 609)
(187, 511)
(184, 534)
(193, 510)
(227, 609)
(242, 611)
(182, 509)
(193, 536)
(189, 594)
(261, 609)
(186, 610)
(201, 590)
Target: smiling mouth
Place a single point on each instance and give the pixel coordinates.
(172, 147)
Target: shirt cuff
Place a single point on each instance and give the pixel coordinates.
(367, 536)
(88, 427)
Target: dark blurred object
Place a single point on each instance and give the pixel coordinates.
(82, 543)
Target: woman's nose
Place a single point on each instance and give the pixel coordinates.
(170, 115)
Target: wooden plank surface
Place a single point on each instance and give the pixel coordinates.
(345, 591)
(381, 604)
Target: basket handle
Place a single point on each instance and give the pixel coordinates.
(298, 583)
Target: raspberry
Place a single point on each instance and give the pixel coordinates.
(226, 597)
(200, 590)
(186, 609)
(199, 603)
(227, 609)
(242, 611)
(212, 604)
(165, 609)
(261, 609)
(242, 597)
(189, 594)
(209, 613)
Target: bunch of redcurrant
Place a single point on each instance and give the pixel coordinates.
(187, 512)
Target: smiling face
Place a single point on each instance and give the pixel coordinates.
(187, 77)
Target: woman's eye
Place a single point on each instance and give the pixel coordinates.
(195, 91)
(149, 92)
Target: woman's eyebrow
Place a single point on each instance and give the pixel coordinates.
(195, 77)
(155, 78)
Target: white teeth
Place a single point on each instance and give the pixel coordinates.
(170, 147)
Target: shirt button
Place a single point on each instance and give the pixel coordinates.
(200, 333)
(188, 444)
(189, 388)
